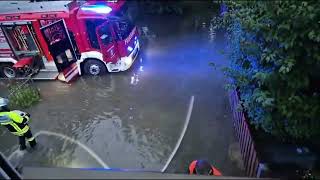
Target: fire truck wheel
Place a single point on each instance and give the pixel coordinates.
(7, 71)
(94, 67)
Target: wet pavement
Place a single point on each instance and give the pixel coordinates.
(133, 119)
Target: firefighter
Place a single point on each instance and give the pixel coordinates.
(203, 167)
(17, 123)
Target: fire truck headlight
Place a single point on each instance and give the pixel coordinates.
(128, 60)
(130, 49)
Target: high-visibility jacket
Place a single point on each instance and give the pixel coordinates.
(15, 121)
(192, 168)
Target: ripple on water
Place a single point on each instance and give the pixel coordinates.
(126, 146)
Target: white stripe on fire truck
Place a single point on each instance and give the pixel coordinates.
(70, 71)
(74, 72)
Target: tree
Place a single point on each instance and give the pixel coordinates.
(275, 54)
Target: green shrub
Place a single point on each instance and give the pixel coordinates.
(23, 97)
(274, 48)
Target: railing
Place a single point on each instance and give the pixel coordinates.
(22, 93)
(7, 171)
(252, 164)
(19, 84)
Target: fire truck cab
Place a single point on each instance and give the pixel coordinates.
(66, 38)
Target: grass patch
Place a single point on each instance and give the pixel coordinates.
(23, 96)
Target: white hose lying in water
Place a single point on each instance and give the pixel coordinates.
(186, 123)
(99, 160)
(93, 154)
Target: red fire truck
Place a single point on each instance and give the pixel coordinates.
(66, 38)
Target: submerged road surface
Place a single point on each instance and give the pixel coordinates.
(134, 119)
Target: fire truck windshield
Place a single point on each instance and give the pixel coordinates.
(91, 28)
(123, 29)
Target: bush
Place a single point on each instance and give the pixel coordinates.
(23, 97)
(275, 64)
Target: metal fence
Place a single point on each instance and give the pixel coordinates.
(16, 84)
(7, 171)
(22, 93)
(252, 163)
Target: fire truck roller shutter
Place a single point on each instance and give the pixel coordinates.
(94, 67)
(7, 70)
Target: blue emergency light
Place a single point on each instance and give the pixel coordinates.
(97, 8)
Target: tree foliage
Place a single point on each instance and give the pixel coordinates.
(275, 54)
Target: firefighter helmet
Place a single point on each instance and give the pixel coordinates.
(3, 102)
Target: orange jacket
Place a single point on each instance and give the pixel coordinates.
(192, 167)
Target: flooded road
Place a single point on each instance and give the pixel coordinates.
(133, 119)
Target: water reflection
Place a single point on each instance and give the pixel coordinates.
(134, 79)
(126, 145)
(59, 152)
(141, 68)
(212, 31)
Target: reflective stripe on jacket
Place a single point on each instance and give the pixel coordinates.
(192, 167)
(14, 122)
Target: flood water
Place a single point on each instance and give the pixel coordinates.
(133, 119)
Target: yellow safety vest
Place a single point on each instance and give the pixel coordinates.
(15, 120)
